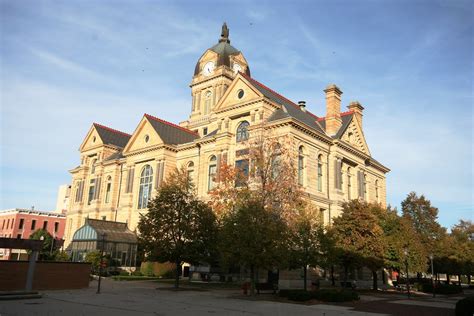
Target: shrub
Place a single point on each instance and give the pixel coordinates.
(137, 273)
(123, 273)
(299, 296)
(169, 274)
(328, 295)
(465, 306)
(441, 288)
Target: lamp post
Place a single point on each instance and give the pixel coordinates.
(100, 263)
(432, 274)
(52, 244)
(405, 251)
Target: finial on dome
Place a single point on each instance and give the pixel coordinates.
(225, 34)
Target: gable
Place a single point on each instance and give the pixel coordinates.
(144, 136)
(91, 140)
(354, 135)
(231, 97)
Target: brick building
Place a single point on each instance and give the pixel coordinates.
(21, 223)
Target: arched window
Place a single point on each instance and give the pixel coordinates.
(349, 185)
(211, 177)
(301, 166)
(276, 161)
(190, 171)
(207, 102)
(108, 188)
(93, 166)
(242, 131)
(320, 173)
(146, 180)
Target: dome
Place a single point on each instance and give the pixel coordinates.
(224, 50)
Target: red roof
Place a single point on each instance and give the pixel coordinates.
(170, 124)
(342, 114)
(111, 129)
(276, 93)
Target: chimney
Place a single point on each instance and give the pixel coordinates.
(302, 105)
(357, 108)
(333, 109)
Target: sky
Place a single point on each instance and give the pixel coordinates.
(67, 64)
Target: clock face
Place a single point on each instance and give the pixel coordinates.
(208, 68)
(237, 68)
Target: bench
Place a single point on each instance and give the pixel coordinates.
(266, 287)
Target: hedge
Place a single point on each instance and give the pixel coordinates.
(465, 306)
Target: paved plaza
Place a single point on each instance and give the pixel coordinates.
(151, 298)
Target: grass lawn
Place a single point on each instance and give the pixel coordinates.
(201, 285)
(133, 278)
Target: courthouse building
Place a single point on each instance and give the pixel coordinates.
(119, 172)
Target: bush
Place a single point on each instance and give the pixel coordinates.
(123, 273)
(299, 296)
(441, 288)
(328, 295)
(169, 274)
(465, 306)
(137, 273)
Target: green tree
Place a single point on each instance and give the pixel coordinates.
(93, 257)
(50, 249)
(423, 217)
(253, 237)
(359, 237)
(394, 227)
(306, 242)
(178, 227)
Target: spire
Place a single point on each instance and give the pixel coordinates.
(225, 34)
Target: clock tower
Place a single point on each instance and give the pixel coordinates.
(213, 74)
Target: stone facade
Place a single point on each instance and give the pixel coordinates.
(119, 171)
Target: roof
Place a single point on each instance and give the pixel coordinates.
(171, 133)
(289, 108)
(112, 136)
(31, 212)
(117, 155)
(94, 229)
(346, 118)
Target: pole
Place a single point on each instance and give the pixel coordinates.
(432, 276)
(52, 244)
(100, 263)
(408, 278)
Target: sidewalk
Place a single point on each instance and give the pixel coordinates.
(143, 298)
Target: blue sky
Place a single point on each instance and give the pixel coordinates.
(67, 64)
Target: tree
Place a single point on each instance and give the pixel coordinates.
(253, 237)
(50, 248)
(423, 217)
(359, 237)
(94, 257)
(270, 180)
(394, 227)
(306, 241)
(177, 227)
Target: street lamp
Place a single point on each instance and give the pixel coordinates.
(432, 274)
(101, 261)
(52, 244)
(405, 251)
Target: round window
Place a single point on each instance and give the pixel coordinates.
(147, 138)
(240, 94)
